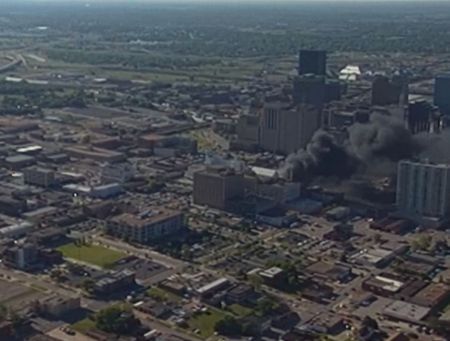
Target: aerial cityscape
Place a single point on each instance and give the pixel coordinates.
(209, 171)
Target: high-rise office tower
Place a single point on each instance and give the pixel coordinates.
(309, 89)
(286, 129)
(442, 93)
(333, 90)
(387, 91)
(421, 117)
(312, 61)
(423, 189)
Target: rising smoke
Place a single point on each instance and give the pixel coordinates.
(384, 138)
(322, 157)
(374, 147)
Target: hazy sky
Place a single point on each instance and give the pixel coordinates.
(227, 1)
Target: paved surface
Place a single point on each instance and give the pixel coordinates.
(57, 333)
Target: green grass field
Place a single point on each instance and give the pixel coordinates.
(162, 295)
(240, 311)
(84, 325)
(205, 322)
(93, 254)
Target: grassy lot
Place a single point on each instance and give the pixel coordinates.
(205, 322)
(93, 254)
(162, 295)
(84, 325)
(240, 311)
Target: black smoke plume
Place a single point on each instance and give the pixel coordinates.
(384, 138)
(373, 147)
(322, 157)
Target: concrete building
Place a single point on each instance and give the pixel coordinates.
(325, 271)
(16, 230)
(12, 207)
(17, 162)
(286, 129)
(316, 90)
(106, 191)
(149, 225)
(434, 296)
(93, 153)
(442, 93)
(22, 256)
(383, 285)
(112, 283)
(162, 145)
(117, 172)
(406, 312)
(312, 61)
(273, 276)
(333, 90)
(56, 305)
(309, 89)
(213, 287)
(217, 186)
(39, 177)
(423, 190)
(248, 131)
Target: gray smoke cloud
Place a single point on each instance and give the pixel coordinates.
(374, 147)
(322, 157)
(434, 147)
(384, 138)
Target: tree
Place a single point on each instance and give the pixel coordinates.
(117, 320)
(265, 306)
(422, 243)
(88, 285)
(228, 326)
(57, 275)
(256, 281)
(370, 323)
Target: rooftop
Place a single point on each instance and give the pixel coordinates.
(272, 272)
(29, 149)
(431, 295)
(149, 216)
(19, 158)
(93, 151)
(406, 311)
(217, 283)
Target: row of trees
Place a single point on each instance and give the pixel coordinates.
(43, 99)
(128, 59)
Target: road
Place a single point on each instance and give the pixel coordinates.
(58, 334)
(26, 279)
(10, 65)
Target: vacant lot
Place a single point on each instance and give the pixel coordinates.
(162, 295)
(92, 254)
(240, 311)
(16, 296)
(84, 325)
(205, 322)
